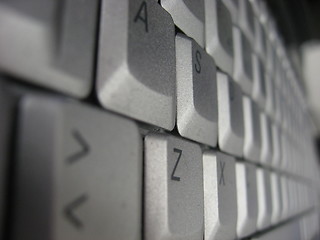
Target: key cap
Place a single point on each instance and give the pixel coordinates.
(246, 19)
(218, 31)
(260, 40)
(276, 143)
(242, 72)
(279, 74)
(220, 196)
(270, 105)
(49, 43)
(246, 199)
(78, 175)
(285, 198)
(309, 226)
(233, 6)
(292, 199)
(270, 58)
(252, 130)
(259, 82)
(285, 159)
(255, 6)
(276, 197)
(264, 198)
(295, 193)
(197, 109)
(266, 153)
(299, 197)
(173, 189)
(136, 68)
(289, 231)
(188, 15)
(230, 115)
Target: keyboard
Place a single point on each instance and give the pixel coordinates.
(154, 120)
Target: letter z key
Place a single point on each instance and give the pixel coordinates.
(173, 189)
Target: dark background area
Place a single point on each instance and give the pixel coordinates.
(297, 20)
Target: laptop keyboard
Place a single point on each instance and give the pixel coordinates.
(155, 120)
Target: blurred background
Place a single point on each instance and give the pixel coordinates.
(299, 23)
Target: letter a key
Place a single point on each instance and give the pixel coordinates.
(136, 62)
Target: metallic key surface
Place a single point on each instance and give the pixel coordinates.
(50, 43)
(259, 82)
(79, 173)
(231, 125)
(289, 231)
(276, 197)
(173, 204)
(246, 19)
(233, 7)
(264, 198)
(243, 72)
(252, 130)
(189, 16)
(220, 196)
(266, 152)
(136, 68)
(219, 38)
(197, 107)
(276, 145)
(247, 204)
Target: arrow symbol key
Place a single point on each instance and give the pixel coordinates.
(84, 147)
(71, 207)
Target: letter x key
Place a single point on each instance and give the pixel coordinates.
(220, 199)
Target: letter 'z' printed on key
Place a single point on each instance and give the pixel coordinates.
(173, 177)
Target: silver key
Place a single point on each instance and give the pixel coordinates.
(285, 198)
(259, 92)
(270, 104)
(45, 44)
(189, 16)
(299, 197)
(136, 68)
(292, 197)
(270, 58)
(252, 130)
(266, 152)
(219, 39)
(173, 189)
(246, 199)
(230, 116)
(79, 173)
(289, 231)
(276, 197)
(276, 140)
(220, 196)
(246, 19)
(242, 72)
(260, 39)
(233, 6)
(264, 198)
(285, 151)
(197, 107)
(309, 226)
